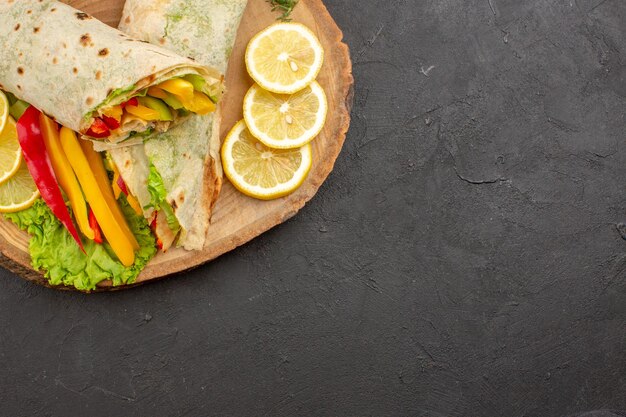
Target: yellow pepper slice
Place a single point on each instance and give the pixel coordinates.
(157, 93)
(143, 112)
(65, 175)
(116, 188)
(134, 203)
(200, 104)
(182, 89)
(114, 112)
(97, 167)
(96, 199)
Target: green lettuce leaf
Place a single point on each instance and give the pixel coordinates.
(158, 201)
(115, 94)
(112, 97)
(53, 250)
(172, 221)
(143, 134)
(156, 188)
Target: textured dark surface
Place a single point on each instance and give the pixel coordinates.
(462, 260)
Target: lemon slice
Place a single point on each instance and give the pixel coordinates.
(284, 58)
(285, 121)
(10, 151)
(19, 192)
(259, 171)
(4, 110)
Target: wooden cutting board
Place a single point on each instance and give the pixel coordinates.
(236, 219)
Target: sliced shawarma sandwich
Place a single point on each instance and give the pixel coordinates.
(176, 175)
(96, 80)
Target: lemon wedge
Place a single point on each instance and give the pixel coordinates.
(4, 110)
(19, 192)
(262, 172)
(285, 121)
(10, 151)
(284, 58)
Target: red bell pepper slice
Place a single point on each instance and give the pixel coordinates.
(122, 185)
(93, 223)
(132, 102)
(153, 226)
(99, 129)
(111, 122)
(40, 168)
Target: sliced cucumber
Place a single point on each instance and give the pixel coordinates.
(197, 81)
(173, 102)
(18, 108)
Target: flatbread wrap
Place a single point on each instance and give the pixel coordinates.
(184, 161)
(95, 79)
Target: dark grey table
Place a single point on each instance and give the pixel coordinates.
(462, 259)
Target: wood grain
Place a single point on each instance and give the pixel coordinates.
(236, 219)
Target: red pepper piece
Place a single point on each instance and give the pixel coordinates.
(40, 168)
(98, 129)
(93, 223)
(153, 226)
(111, 122)
(132, 102)
(122, 185)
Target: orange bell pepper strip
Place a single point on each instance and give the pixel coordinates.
(65, 176)
(100, 174)
(111, 229)
(157, 92)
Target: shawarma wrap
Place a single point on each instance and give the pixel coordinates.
(185, 159)
(95, 79)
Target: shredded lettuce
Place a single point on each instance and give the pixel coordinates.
(156, 188)
(115, 94)
(53, 250)
(144, 134)
(172, 221)
(158, 201)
